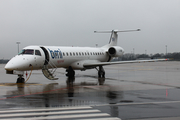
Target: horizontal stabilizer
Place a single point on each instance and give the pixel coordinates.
(116, 31)
(114, 36)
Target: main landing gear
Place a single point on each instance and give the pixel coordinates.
(101, 72)
(20, 79)
(101, 75)
(70, 74)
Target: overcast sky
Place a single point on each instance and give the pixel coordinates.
(73, 22)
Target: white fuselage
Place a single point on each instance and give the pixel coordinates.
(76, 56)
(58, 56)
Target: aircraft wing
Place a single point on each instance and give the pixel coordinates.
(95, 64)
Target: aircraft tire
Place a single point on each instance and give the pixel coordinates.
(20, 80)
(101, 74)
(70, 72)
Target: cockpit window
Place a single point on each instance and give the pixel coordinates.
(37, 52)
(27, 51)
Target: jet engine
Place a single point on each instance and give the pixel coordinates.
(115, 51)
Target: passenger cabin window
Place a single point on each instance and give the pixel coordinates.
(37, 52)
(27, 52)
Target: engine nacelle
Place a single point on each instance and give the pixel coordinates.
(115, 51)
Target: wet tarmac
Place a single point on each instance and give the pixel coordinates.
(147, 91)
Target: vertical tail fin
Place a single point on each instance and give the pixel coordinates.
(114, 36)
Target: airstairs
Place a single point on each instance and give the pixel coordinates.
(49, 73)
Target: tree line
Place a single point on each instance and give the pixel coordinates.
(3, 61)
(130, 56)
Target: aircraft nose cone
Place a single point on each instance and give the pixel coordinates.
(9, 66)
(19, 63)
(13, 64)
(6, 67)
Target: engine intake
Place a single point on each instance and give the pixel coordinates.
(115, 51)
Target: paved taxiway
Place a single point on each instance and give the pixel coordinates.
(147, 91)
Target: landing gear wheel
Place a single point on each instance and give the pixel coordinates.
(70, 72)
(101, 72)
(20, 80)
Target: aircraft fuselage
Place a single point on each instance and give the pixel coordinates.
(38, 56)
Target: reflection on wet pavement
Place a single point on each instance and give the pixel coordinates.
(126, 89)
(55, 95)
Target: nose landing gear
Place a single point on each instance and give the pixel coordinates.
(20, 74)
(20, 79)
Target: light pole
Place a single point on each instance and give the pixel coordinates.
(18, 45)
(133, 54)
(166, 50)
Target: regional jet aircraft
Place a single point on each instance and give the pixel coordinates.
(49, 58)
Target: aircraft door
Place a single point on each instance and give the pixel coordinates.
(46, 55)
